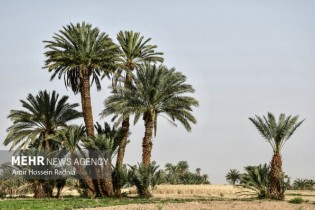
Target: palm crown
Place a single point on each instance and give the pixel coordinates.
(276, 132)
(156, 90)
(80, 50)
(44, 114)
(135, 50)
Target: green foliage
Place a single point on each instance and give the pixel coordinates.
(296, 200)
(80, 50)
(233, 176)
(180, 174)
(79, 203)
(120, 177)
(42, 116)
(256, 178)
(134, 50)
(70, 138)
(9, 184)
(276, 132)
(157, 90)
(303, 184)
(144, 177)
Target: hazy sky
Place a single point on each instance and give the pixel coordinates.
(242, 57)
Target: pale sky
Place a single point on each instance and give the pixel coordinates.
(242, 57)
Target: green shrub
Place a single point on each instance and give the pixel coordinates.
(296, 200)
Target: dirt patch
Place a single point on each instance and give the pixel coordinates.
(216, 205)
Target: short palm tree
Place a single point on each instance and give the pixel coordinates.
(276, 133)
(104, 145)
(304, 184)
(233, 176)
(134, 50)
(70, 139)
(42, 116)
(157, 91)
(81, 54)
(256, 178)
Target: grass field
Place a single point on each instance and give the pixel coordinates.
(166, 197)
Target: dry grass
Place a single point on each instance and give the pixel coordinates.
(184, 191)
(215, 191)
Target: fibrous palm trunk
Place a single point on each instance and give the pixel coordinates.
(125, 130)
(86, 104)
(89, 123)
(122, 141)
(147, 140)
(275, 191)
(147, 148)
(107, 173)
(89, 186)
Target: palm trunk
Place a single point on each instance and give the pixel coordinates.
(275, 177)
(98, 181)
(123, 140)
(108, 184)
(147, 140)
(147, 148)
(125, 129)
(86, 104)
(122, 143)
(89, 188)
(39, 189)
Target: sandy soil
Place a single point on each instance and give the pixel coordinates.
(216, 205)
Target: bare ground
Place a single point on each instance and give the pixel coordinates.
(215, 197)
(216, 205)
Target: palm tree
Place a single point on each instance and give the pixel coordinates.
(157, 91)
(134, 50)
(198, 171)
(276, 133)
(80, 54)
(70, 139)
(233, 176)
(256, 179)
(182, 167)
(42, 116)
(104, 145)
(303, 184)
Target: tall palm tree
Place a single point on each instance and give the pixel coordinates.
(157, 91)
(81, 54)
(233, 176)
(42, 116)
(134, 50)
(276, 133)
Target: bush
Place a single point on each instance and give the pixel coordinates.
(296, 200)
(120, 178)
(144, 177)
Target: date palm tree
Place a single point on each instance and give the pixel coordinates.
(42, 116)
(233, 176)
(256, 179)
(104, 145)
(81, 54)
(276, 133)
(134, 50)
(70, 139)
(157, 91)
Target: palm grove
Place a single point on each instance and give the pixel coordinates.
(142, 87)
